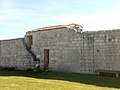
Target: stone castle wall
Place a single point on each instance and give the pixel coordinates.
(69, 51)
(78, 52)
(107, 50)
(14, 54)
(65, 49)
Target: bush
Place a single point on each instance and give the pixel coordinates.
(8, 68)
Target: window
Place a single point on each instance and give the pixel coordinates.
(98, 50)
(29, 40)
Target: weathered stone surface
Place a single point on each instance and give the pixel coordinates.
(69, 51)
(14, 54)
(79, 52)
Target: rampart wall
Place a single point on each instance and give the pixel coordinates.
(69, 51)
(14, 54)
(84, 52)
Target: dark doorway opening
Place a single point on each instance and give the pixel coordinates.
(46, 59)
(29, 41)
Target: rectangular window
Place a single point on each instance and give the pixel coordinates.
(29, 40)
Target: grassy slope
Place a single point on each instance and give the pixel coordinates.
(21, 80)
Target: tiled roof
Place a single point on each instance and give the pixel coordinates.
(56, 27)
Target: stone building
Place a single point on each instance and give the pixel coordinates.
(63, 48)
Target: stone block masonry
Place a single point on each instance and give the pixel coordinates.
(107, 50)
(14, 54)
(59, 48)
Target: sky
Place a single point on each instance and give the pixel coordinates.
(19, 16)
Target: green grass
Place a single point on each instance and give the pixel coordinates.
(28, 80)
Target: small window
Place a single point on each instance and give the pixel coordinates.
(109, 39)
(98, 50)
(29, 40)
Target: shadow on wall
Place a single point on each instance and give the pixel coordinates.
(110, 82)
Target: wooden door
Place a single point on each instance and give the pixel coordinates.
(46, 59)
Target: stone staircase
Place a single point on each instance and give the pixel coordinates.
(30, 51)
(36, 61)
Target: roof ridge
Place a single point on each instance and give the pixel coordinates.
(56, 27)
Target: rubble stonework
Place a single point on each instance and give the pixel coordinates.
(14, 54)
(70, 50)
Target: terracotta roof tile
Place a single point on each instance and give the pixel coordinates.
(56, 27)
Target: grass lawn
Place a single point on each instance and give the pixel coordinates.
(28, 80)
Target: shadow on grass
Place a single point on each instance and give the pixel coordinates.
(110, 82)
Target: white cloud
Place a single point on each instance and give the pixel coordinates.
(6, 17)
(13, 24)
(96, 21)
(16, 31)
